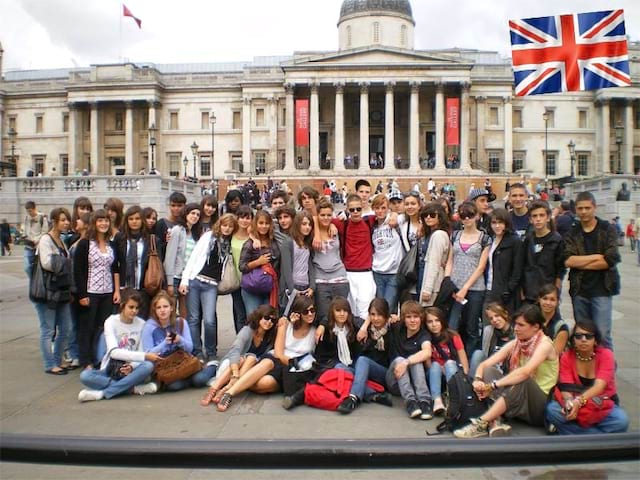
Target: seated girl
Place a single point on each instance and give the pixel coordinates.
(447, 353)
(496, 335)
(294, 344)
(521, 393)
(554, 326)
(591, 369)
(252, 342)
(122, 334)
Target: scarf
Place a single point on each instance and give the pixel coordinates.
(524, 348)
(273, 296)
(378, 336)
(132, 260)
(344, 355)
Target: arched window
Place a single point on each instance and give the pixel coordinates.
(403, 35)
(376, 32)
(348, 35)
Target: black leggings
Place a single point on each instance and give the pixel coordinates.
(90, 325)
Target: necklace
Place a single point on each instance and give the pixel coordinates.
(586, 359)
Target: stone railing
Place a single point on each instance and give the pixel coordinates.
(605, 190)
(50, 192)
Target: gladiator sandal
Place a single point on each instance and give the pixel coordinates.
(209, 397)
(225, 402)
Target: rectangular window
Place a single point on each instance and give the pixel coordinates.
(173, 120)
(518, 161)
(259, 117)
(38, 164)
(551, 118)
(260, 161)
(583, 165)
(39, 123)
(119, 122)
(204, 121)
(65, 122)
(236, 161)
(237, 120)
(173, 159)
(64, 165)
(582, 119)
(12, 122)
(493, 116)
(517, 118)
(283, 117)
(550, 167)
(205, 166)
(495, 159)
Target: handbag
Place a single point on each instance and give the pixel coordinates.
(154, 276)
(257, 282)
(408, 269)
(177, 366)
(113, 369)
(229, 281)
(38, 282)
(593, 412)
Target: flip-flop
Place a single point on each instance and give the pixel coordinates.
(56, 372)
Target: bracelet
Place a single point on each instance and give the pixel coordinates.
(581, 400)
(494, 385)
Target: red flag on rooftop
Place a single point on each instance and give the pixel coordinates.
(127, 13)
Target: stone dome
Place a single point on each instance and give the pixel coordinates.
(376, 7)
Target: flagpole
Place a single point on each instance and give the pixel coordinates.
(120, 30)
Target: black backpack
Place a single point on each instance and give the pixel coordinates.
(464, 404)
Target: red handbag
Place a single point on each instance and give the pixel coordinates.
(331, 388)
(593, 412)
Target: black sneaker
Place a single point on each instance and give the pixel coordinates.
(382, 398)
(413, 409)
(426, 411)
(348, 405)
(294, 400)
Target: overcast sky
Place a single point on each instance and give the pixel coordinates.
(65, 33)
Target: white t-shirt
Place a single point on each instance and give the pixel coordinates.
(387, 249)
(124, 340)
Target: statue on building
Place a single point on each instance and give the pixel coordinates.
(624, 194)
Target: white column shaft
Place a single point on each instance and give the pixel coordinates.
(440, 127)
(272, 160)
(508, 134)
(314, 131)
(627, 157)
(604, 137)
(414, 127)
(464, 129)
(389, 128)
(95, 139)
(364, 129)
(246, 136)
(128, 142)
(339, 133)
(290, 135)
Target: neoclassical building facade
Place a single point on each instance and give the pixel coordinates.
(375, 106)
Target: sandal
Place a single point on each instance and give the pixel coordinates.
(209, 396)
(225, 402)
(61, 371)
(221, 392)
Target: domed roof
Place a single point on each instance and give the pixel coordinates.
(398, 7)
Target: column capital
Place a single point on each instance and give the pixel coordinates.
(628, 102)
(339, 86)
(314, 87)
(272, 99)
(480, 99)
(465, 86)
(128, 104)
(364, 87)
(389, 86)
(73, 105)
(153, 103)
(439, 86)
(289, 88)
(94, 104)
(506, 99)
(601, 102)
(246, 100)
(415, 86)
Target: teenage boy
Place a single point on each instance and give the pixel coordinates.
(177, 201)
(396, 202)
(482, 199)
(520, 213)
(284, 217)
(36, 224)
(363, 190)
(357, 255)
(278, 199)
(591, 253)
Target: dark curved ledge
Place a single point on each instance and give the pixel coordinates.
(339, 453)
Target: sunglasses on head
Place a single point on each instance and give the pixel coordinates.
(269, 318)
(309, 310)
(583, 336)
(355, 209)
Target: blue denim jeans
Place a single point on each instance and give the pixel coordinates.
(616, 422)
(197, 380)
(597, 309)
(435, 376)
(53, 322)
(387, 288)
(476, 359)
(467, 320)
(29, 255)
(252, 301)
(366, 369)
(412, 385)
(100, 380)
(72, 340)
(203, 296)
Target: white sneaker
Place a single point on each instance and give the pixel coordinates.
(90, 395)
(145, 388)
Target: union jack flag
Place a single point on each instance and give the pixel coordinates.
(583, 51)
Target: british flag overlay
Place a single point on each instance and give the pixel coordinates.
(566, 53)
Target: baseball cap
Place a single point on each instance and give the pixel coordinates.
(479, 192)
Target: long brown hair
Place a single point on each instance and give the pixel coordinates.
(296, 234)
(92, 232)
(446, 334)
(162, 295)
(253, 320)
(341, 303)
(131, 211)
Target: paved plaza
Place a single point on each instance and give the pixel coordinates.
(34, 403)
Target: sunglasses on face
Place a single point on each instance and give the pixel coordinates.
(466, 216)
(309, 311)
(269, 319)
(355, 209)
(431, 215)
(583, 336)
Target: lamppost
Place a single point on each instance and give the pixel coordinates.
(572, 154)
(185, 161)
(152, 144)
(194, 151)
(212, 121)
(545, 117)
(619, 130)
(12, 138)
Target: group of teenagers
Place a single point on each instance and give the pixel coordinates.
(399, 294)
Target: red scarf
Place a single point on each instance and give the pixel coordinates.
(524, 348)
(273, 296)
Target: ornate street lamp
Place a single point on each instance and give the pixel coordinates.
(212, 121)
(194, 151)
(545, 117)
(12, 134)
(185, 161)
(572, 154)
(619, 131)
(152, 144)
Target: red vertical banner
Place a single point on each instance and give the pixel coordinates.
(302, 123)
(453, 121)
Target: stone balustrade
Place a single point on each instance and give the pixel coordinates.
(605, 190)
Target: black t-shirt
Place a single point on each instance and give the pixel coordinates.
(381, 357)
(520, 224)
(401, 346)
(592, 284)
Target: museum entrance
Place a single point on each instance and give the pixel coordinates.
(376, 152)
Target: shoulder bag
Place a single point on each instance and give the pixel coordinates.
(154, 276)
(179, 365)
(37, 283)
(229, 282)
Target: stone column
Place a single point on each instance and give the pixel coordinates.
(464, 127)
(389, 126)
(414, 125)
(508, 133)
(339, 127)
(74, 146)
(314, 130)
(96, 140)
(272, 156)
(290, 159)
(480, 117)
(364, 126)
(153, 120)
(246, 135)
(440, 126)
(604, 121)
(128, 140)
(627, 153)
(1, 130)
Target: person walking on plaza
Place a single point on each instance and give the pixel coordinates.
(631, 234)
(591, 253)
(36, 224)
(5, 237)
